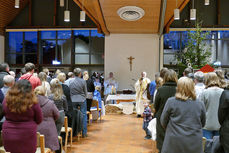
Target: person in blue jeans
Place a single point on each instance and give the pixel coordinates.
(147, 117)
(78, 93)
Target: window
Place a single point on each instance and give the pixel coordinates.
(22, 47)
(218, 40)
(86, 46)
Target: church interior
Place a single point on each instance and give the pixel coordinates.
(116, 74)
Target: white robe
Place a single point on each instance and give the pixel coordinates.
(141, 94)
(110, 86)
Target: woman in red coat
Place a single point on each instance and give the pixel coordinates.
(22, 113)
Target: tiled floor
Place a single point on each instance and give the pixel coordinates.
(116, 134)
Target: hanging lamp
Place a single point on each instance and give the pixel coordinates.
(176, 13)
(17, 3)
(67, 14)
(192, 12)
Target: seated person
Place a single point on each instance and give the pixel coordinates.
(8, 83)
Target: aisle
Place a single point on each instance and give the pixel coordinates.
(116, 134)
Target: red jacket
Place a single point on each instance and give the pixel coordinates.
(32, 79)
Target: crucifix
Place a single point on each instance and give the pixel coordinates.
(131, 61)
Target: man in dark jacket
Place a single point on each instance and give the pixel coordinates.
(4, 70)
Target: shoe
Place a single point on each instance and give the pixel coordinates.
(138, 116)
(84, 136)
(147, 137)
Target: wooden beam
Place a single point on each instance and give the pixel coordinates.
(89, 15)
(30, 12)
(218, 13)
(54, 16)
(181, 7)
(100, 16)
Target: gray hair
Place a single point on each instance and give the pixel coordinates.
(8, 79)
(70, 74)
(199, 76)
(77, 71)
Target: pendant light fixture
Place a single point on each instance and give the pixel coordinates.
(207, 2)
(176, 13)
(67, 14)
(192, 12)
(61, 3)
(17, 3)
(82, 14)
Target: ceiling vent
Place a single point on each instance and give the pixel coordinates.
(131, 13)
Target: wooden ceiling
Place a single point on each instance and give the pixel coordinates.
(104, 14)
(8, 12)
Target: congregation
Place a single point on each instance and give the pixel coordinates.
(187, 109)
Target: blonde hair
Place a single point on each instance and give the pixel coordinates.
(97, 88)
(61, 77)
(159, 82)
(42, 76)
(170, 76)
(211, 79)
(40, 90)
(220, 74)
(56, 89)
(85, 75)
(185, 89)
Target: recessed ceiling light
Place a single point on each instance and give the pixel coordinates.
(131, 13)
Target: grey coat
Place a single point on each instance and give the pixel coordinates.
(2, 74)
(183, 121)
(48, 127)
(78, 90)
(210, 97)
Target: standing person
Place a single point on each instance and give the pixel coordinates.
(78, 92)
(159, 83)
(110, 85)
(71, 76)
(29, 68)
(4, 70)
(50, 115)
(152, 87)
(60, 101)
(48, 78)
(167, 90)
(90, 89)
(23, 114)
(199, 83)
(43, 78)
(140, 88)
(147, 117)
(187, 71)
(222, 80)
(223, 116)
(8, 83)
(210, 97)
(183, 118)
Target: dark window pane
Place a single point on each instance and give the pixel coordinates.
(223, 34)
(172, 41)
(49, 51)
(30, 42)
(94, 33)
(223, 51)
(48, 34)
(84, 33)
(64, 34)
(31, 58)
(82, 41)
(15, 59)
(64, 51)
(97, 42)
(16, 42)
(97, 59)
(81, 59)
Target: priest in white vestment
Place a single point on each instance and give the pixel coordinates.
(110, 85)
(141, 93)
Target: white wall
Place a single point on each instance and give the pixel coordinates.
(143, 47)
(2, 48)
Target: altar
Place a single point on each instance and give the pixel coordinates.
(121, 98)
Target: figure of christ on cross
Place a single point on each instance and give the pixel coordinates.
(131, 61)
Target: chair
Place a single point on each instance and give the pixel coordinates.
(204, 142)
(65, 129)
(61, 142)
(95, 103)
(41, 144)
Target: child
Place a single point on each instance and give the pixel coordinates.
(97, 95)
(147, 117)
